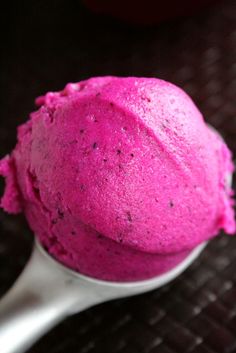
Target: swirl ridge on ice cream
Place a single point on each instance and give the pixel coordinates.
(119, 178)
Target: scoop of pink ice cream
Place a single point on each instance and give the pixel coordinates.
(119, 178)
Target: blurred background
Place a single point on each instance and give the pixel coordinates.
(46, 44)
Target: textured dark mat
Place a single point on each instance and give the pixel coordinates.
(49, 44)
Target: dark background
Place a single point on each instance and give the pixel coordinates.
(46, 44)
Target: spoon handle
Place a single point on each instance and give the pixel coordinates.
(41, 297)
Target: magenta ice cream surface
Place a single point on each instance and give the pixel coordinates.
(119, 178)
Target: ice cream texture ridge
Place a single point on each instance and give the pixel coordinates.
(119, 178)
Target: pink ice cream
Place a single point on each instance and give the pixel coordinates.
(119, 178)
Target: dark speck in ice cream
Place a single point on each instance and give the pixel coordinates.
(60, 214)
(171, 203)
(129, 216)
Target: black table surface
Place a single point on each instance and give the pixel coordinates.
(46, 45)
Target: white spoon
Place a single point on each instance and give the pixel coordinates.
(47, 292)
